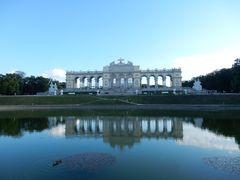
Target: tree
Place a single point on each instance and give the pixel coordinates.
(188, 83)
(11, 84)
(224, 80)
(32, 84)
(235, 83)
(60, 85)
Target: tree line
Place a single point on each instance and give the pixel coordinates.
(15, 84)
(223, 80)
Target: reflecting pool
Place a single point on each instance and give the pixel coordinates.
(125, 146)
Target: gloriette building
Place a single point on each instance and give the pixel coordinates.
(123, 78)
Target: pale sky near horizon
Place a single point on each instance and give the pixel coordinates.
(49, 37)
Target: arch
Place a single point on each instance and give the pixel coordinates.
(77, 82)
(152, 126)
(92, 82)
(100, 126)
(160, 80)
(85, 82)
(168, 81)
(114, 82)
(121, 81)
(100, 82)
(130, 126)
(77, 126)
(160, 125)
(130, 82)
(144, 126)
(169, 126)
(93, 124)
(144, 81)
(152, 81)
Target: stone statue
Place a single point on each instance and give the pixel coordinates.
(52, 90)
(197, 85)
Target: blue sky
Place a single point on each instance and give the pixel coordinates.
(41, 37)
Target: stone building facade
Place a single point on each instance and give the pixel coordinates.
(123, 76)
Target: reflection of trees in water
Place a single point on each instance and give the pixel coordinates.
(10, 127)
(226, 127)
(219, 126)
(15, 126)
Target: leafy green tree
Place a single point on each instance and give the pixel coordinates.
(42, 84)
(235, 83)
(224, 80)
(187, 83)
(11, 84)
(32, 84)
(60, 85)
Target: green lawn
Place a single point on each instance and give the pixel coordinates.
(141, 99)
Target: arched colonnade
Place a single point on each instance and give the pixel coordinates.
(89, 82)
(146, 81)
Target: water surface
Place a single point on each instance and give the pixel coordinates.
(122, 146)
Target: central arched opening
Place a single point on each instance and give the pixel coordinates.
(122, 81)
(130, 82)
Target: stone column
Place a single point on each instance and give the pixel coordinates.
(164, 81)
(157, 126)
(72, 84)
(156, 82)
(117, 82)
(96, 83)
(148, 127)
(148, 82)
(88, 83)
(81, 83)
(97, 126)
(164, 125)
(125, 82)
(75, 83)
(173, 82)
(132, 85)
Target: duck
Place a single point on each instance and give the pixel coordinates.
(56, 162)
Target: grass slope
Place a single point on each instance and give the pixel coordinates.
(141, 99)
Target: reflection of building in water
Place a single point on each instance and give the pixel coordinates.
(198, 121)
(122, 131)
(53, 121)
